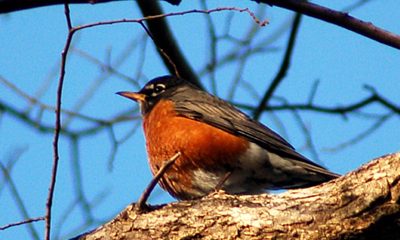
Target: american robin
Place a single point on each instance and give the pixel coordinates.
(219, 144)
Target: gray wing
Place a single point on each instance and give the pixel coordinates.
(216, 112)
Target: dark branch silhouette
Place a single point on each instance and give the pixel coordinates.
(341, 19)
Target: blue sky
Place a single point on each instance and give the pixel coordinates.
(32, 40)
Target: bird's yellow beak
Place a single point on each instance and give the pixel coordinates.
(138, 97)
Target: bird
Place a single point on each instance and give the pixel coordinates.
(219, 145)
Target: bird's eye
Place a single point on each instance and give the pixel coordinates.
(159, 88)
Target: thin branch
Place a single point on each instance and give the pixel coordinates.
(309, 140)
(213, 46)
(282, 70)
(263, 45)
(361, 136)
(43, 106)
(31, 220)
(16, 195)
(99, 125)
(173, 14)
(355, 5)
(160, 30)
(179, 62)
(115, 143)
(373, 98)
(108, 67)
(69, 210)
(49, 202)
(241, 65)
(248, 50)
(162, 52)
(7, 168)
(141, 204)
(77, 181)
(97, 83)
(310, 9)
(341, 19)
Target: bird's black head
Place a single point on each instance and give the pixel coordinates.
(160, 86)
(156, 89)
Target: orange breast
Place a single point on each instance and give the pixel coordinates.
(202, 146)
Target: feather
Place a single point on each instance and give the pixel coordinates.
(196, 104)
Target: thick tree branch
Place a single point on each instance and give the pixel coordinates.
(341, 19)
(17, 5)
(166, 43)
(364, 204)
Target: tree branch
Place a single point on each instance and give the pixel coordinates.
(282, 70)
(362, 204)
(165, 42)
(341, 19)
(17, 5)
(374, 98)
(57, 126)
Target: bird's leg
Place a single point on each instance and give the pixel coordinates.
(222, 181)
(141, 205)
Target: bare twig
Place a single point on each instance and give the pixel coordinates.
(44, 106)
(69, 210)
(141, 204)
(373, 98)
(261, 46)
(31, 220)
(97, 83)
(222, 180)
(362, 135)
(282, 70)
(183, 71)
(83, 201)
(41, 127)
(163, 53)
(108, 67)
(172, 14)
(115, 143)
(167, 46)
(354, 5)
(160, 30)
(57, 125)
(9, 164)
(22, 207)
(307, 134)
(213, 41)
(310, 9)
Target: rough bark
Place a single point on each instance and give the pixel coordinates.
(364, 204)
